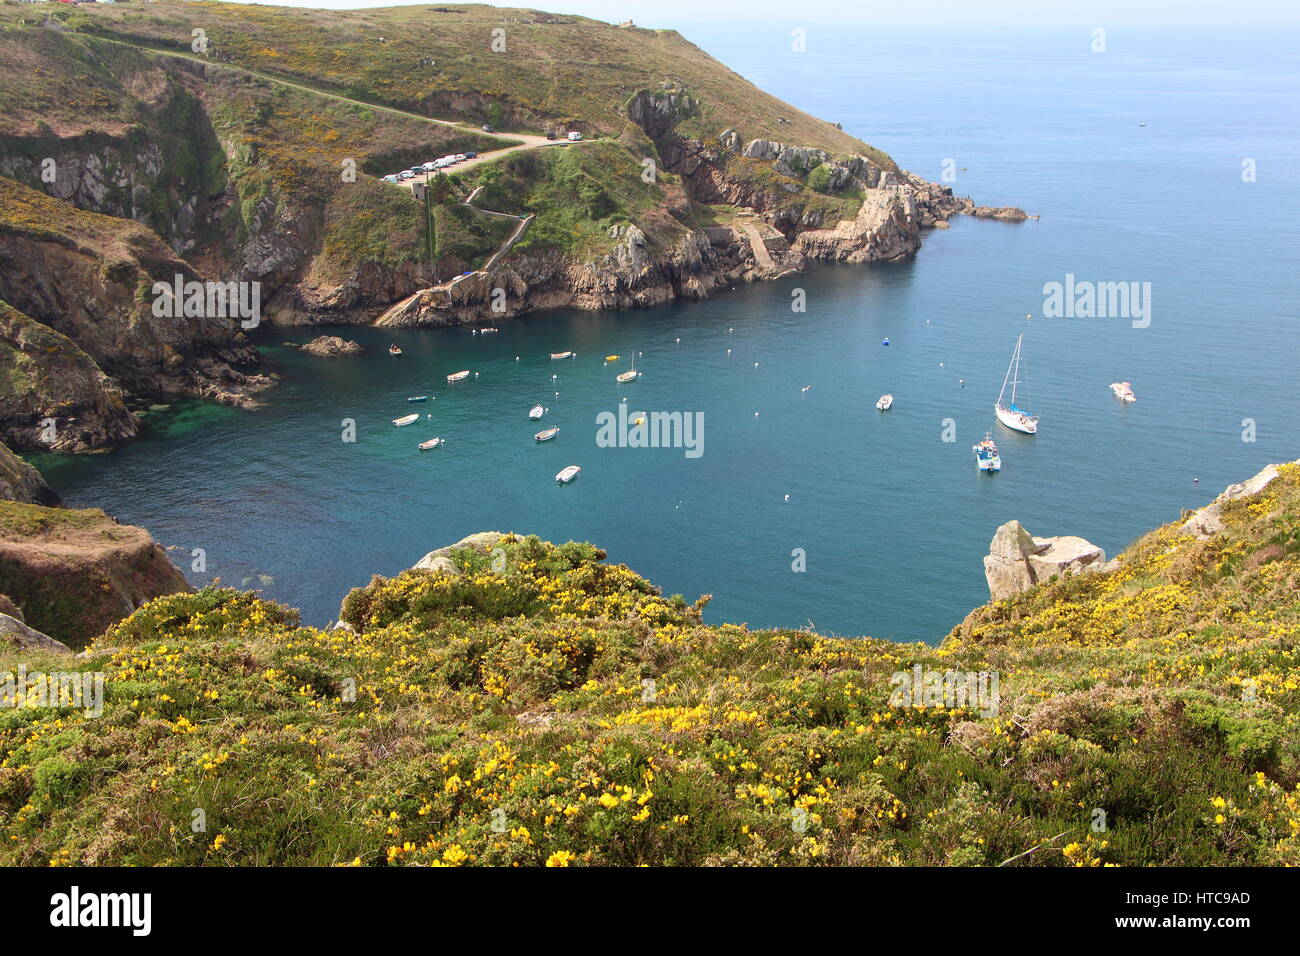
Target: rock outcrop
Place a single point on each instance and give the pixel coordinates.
(1017, 560)
(52, 394)
(440, 560)
(1206, 522)
(87, 279)
(75, 573)
(16, 634)
(19, 481)
(332, 345)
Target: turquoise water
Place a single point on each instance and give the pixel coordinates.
(894, 521)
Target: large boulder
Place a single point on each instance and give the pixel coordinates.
(1017, 560)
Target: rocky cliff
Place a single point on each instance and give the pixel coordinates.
(73, 573)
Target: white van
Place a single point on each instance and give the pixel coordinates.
(574, 137)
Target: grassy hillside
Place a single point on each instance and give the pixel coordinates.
(562, 712)
(555, 69)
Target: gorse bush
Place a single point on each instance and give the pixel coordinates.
(533, 705)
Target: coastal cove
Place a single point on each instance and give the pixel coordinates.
(893, 520)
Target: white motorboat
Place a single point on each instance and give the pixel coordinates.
(405, 420)
(1123, 391)
(568, 474)
(546, 434)
(536, 412)
(885, 403)
(458, 376)
(431, 443)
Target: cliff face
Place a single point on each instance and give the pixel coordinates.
(19, 481)
(79, 329)
(74, 573)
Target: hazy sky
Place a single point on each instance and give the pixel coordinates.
(1110, 14)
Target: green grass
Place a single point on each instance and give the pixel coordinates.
(576, 193)
(556, 69)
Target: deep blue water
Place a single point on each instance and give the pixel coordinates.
(894, 521)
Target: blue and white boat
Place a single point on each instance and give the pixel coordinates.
(986, 454)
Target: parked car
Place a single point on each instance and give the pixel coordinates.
(392, 178)
(430, 167)
(471, 154)
(552, 135)
(488, 129)
(404, 175)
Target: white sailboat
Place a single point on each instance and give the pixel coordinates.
(629, 375)
(1009, 413)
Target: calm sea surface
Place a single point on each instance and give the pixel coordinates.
(893, 520)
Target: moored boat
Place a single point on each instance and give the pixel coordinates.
(1009, 413)
(405, 420)
(986, 454)
(536, 412)
(394, 350)
(561, 355)
(611, 358)
(546, 434)
(1123, 391)
(568, 474)
(885, 403)
(630, 375)
(431, 443)
(458, 376)
(418, 398)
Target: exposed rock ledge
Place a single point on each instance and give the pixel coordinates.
(1208, 521)
(440, 560)
(18, 635)
(1017, 560)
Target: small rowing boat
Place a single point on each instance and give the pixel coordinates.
(536, 412)
(568, 474)
(418, 398)
(431, 443)
(885, 403)
(561, 355)
(546, 434)
(458, 376)
(405, 420)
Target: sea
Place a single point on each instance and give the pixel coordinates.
(1167, 161)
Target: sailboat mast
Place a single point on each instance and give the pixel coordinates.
(1014, 355)
(1015, 379)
